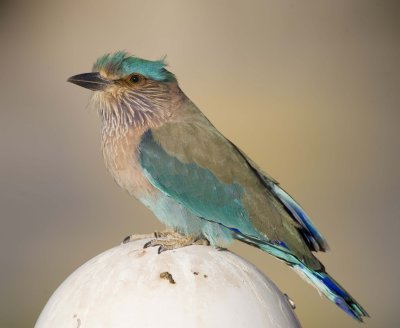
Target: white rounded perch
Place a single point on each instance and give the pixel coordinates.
(196, 286)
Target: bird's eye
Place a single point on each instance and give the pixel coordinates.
(135, 78)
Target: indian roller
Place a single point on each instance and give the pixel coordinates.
(164, 151)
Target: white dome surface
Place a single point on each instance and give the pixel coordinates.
(196, 286)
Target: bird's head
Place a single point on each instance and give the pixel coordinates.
(129, 91)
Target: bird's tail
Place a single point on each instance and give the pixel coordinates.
(321, 280)
(326, 285)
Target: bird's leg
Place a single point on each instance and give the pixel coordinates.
(169, 240)
(166, 234)
(156, 234)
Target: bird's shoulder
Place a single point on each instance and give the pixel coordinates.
(197, 141)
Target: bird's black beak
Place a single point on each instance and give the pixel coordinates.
(93, 81)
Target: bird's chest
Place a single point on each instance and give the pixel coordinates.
(121, 159)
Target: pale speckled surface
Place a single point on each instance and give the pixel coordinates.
(122, 288)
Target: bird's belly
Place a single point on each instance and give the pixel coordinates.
(134, 182)
(181, 219)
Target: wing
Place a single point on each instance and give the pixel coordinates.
(315, 239)
(197, 187)
(199, 168)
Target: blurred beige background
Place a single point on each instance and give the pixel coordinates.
(309, 89)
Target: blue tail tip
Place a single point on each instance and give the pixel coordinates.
(343, 299)
(352, 309)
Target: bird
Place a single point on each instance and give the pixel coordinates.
(163, 150)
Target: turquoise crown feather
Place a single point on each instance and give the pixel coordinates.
(121, 63)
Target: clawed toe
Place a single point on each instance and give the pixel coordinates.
(163, 249)
(135, 237)
(170, 241)
(166, 240)
(156, 235)
(149, 243)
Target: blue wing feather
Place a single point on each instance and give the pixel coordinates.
(309, 230)
(310, 233)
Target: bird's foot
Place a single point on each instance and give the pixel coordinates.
(167, 234)
(169, 240)
(155, 234)
(135, 237)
